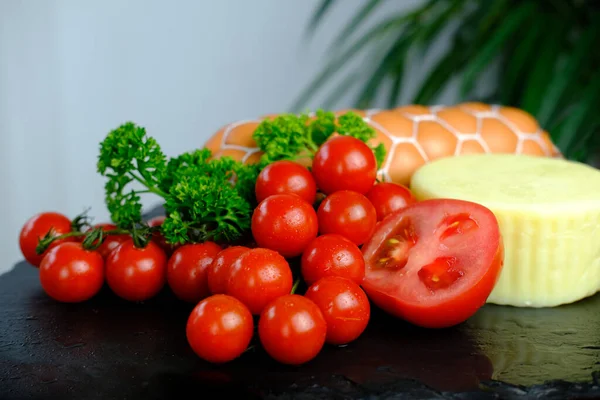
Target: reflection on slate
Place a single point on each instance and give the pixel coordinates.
(527, 344)
(108, 348)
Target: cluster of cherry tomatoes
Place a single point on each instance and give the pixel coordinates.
(233, 285)
(432, 263)
(246, 282)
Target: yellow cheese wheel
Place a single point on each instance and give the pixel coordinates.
(549, 215)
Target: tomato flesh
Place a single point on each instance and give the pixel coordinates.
(292, 329)
(111, 242)
(219, 329)
(286, 177)
(388, 197)
(136, 274)
(187, 270)
(158, 238)
(220, 269)
(344, 163)
(435, 262)
(71, 274)
(36, 228)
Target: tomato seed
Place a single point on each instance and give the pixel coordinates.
(441, 273)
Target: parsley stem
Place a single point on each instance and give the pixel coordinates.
(311, 144)
(149, 187)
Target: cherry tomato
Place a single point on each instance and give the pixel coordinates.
(284, 223)
(136, 274)
(388, 197)
(219, 329)
(349, 214)
(158, 237)
(344, 305)
(292, 329)
(187, 270)
(434, 263)
(36, 228)
(344, 163)
(259, 276)
(111, 242)
(219, 270)
(71, 274)
(332, 255)
(286, 177)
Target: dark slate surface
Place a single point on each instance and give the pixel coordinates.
(111, 349)
(108, 348)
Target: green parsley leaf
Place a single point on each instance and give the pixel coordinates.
(352, 124)
(128, 155)
(200, 208)
(380, 153)
(291, 137)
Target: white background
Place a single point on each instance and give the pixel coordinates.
(72, 70)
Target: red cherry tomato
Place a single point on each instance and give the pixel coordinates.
(349, 214)
(292, 329)
(344, 163)
(344, 305)
(284, 223)
(332, 255)
(187, 270)
(36, 228)
(435, 262)
(388, 197)
(286, 177)
(136, 274)
(259, 276)
(220, 269)
(71, 274)
(219, 329)
(158, 237)
(111, 242)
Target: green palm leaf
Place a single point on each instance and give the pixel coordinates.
(355, 22)
(331, 68)
(566, 75)
(542, 56)
(489, 51)
(318, 15)
(585, 111)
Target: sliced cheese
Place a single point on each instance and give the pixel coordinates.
(549, 216)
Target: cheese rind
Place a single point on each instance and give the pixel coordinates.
(549, 216)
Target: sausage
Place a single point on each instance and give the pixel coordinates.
(414, 135)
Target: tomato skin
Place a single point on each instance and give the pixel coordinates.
(284, 223)
(111, 242)
(349, 214)
(344, 163)
(219, 329)
(71, 274)
(259, 276)
(187, 270)
(286, 177)
(220, 269)
(292, 329)
(332, 255)
(483, 253)
(388, 197)
(344, 305)
(136, 274)
(158, 238)
(36, 228)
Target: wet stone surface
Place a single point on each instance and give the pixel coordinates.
(109, 348)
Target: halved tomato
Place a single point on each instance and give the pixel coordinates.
(434, 263)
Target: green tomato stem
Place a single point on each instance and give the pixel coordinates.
(295, 287)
